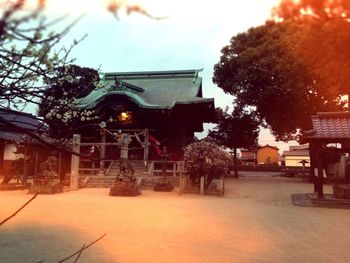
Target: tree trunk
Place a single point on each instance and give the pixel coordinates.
(235, 161)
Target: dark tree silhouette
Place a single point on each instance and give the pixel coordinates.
(235, 130)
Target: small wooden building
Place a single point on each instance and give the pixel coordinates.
(328, 128)
(247, 157)
(9, 136)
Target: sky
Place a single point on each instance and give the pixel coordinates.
(190, 36)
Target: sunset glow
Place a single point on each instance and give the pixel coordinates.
(317, 8)
(221, 9)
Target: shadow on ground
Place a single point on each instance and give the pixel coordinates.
(311, 200)
(24, 243)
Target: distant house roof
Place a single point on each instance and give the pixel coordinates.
(298, 147)
(268, 146)
(246, 150)
(296, 153)
(329, 125)
(20, 119)
(152, 89)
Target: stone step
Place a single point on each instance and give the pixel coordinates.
(100, 181)
(108, 181)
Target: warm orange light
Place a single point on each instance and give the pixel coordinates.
(125, 116)
(329, 8)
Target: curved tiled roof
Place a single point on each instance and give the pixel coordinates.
(152, 90)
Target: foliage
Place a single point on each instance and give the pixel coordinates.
(204, 158)
(28, 53)
(288, 71)
(65, 85)
(317, 8)
(238, 129)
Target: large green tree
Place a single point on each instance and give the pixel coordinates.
(287, 71)
(238, 129)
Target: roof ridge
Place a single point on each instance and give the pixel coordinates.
(333, 114)
(152, 74)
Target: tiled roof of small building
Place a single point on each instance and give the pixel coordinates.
(22, 120)
(330, 125)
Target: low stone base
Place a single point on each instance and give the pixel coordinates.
(341, 191)
(12, 186)
(125, 188)
(46, 189)
(163, 187)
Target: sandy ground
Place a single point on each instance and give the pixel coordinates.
(254, 222)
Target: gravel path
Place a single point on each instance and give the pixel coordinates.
(254, 222)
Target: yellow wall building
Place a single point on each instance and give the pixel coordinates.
(267, 155)
(296, 155)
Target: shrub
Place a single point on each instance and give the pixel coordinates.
(204, 158)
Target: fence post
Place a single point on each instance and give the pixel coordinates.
(74, 177)
(102, 155)
(221, 186)
(182, 183)
(202, 186)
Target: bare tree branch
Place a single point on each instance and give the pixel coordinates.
(15, 213)
(82, 249)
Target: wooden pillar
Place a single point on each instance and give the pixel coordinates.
(313, 147)
(124, 147)
(25, 164)
(181, 168)
(102, 154)
(320, 165)
(74, 177)
(146, 148)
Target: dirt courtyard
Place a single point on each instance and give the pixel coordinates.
(254, 222)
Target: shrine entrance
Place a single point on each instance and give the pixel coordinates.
(134, 145)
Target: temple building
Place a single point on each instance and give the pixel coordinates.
(141, 112)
